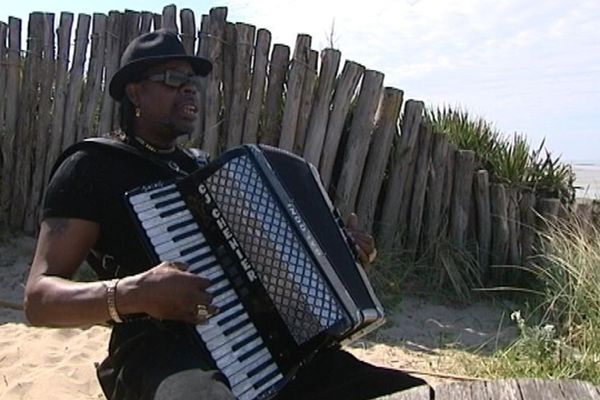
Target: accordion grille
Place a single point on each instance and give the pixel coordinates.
(285, 268)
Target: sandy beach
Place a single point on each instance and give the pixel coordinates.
(48, 364)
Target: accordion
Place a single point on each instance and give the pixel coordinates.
(259, 225)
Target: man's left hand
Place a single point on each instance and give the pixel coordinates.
(365, 244)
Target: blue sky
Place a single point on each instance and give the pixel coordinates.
(528, 67)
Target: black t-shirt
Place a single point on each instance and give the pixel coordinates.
(91, 184)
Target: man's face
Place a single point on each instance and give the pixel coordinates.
(167, 100)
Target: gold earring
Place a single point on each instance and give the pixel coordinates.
(137, 112)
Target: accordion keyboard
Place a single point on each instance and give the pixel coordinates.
(230, 336)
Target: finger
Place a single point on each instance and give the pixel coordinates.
(179, 265)
(352, 221)
(203, 313)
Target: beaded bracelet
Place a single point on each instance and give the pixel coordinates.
(111, 300)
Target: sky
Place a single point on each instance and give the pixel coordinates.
(530, 67)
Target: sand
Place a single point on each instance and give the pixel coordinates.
(44, 363)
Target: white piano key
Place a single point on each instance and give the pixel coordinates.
(168, 246)
(154, 212)
(158, 220)
(234, 356)
(262, 388)
(224, 343)
(200, 264)
(214, 330)
(145, 196)
(152, 203)
(163, 228)
(238, 372)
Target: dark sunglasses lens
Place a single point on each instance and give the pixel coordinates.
(176, 79)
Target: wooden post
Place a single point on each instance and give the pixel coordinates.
(229, 51)
(3, 74)
(188, 30)
(500, 232)
(257, 90)
(513, 214)
(72, 111)
(415, 217)
(25, 124)
(198, 133)
(547, 209)
(308, 91)
(344, 93)
(157, 21)
(280, 59)
(448, 187)
(461, 196)
(213, 81)
(111, 62)
(86, 124)
(13, 95)
(319, 115)
(484, 221)
(295, 82)
(169, 18)
(241, 82)
(399, 189)
(42, 124)
(355, 153)
(435, 187)
(386, 128)
(528, 233)
(145, 22)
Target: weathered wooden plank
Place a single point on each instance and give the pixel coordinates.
(213, 103)
(461, 196)
(42, 124)
(575, 389)
(319, 115)
(203, 33)
(423, 392)
(527, 209)
(72, 105)
(453, 391)
(344, 94)
(157, 21)
(229, 51)
(130, 28)
(3, 74)
(386, 128)
(60, 91)
(169, 18)
(188, 30)
(145, 22)
(111, 65)
(514, 231)
(12, 106)
(257, 89)
(289, 122)
(308, 91)
(502, 389)
(394, 213)
(359, 138)
(278, 67)
(448, 187)
(241, 82)
(415, 217)
(500, 231)
(25, 123)
(437, 175)
(484, 221)
(540, 389)
(547, 209)
(86, 124)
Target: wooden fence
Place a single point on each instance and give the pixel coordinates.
(376, 154)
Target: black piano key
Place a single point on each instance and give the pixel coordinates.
(237, 326)
(180, 225)
(184, 235)
(172, 211)
(163, 192)
(258, 384)
(165, 203)
(230, 317)
(259, 368)
(251, 352)
(245, 341)
(218, 279)
(221, 290)
(193, 249)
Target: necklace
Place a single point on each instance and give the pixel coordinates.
(152, 148)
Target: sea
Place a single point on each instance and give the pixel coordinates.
(587, 179)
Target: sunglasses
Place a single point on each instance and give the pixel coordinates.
(175, 78)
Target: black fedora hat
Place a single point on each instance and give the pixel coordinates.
(149, 49)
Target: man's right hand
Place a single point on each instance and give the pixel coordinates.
(166, 291)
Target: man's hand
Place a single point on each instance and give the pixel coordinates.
(365, 244)
(168, 291)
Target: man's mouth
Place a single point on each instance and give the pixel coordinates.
(190, 110)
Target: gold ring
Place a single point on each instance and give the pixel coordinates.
(201, 311)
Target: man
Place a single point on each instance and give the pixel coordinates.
(158, 357)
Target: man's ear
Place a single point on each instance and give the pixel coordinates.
(132, 91)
